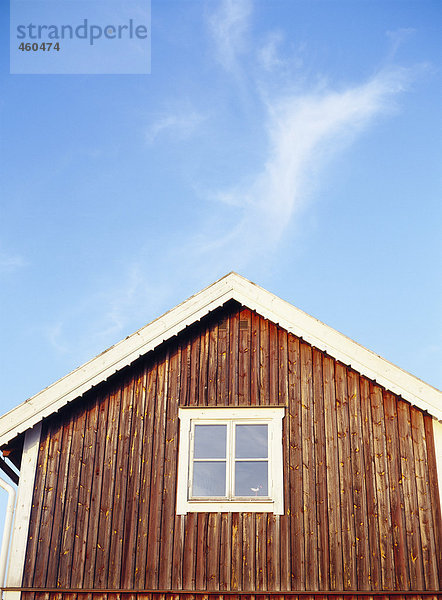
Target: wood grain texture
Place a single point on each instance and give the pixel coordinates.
(361, 506)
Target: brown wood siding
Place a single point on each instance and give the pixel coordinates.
(360, 491)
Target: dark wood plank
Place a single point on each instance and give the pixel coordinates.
(213, 550)
(71, 508)
(308, 469)
(121, 479)
(362, 546)
(294, 474)
(345, 479)
(370, 484)
(399, 536)
(222, 384)
(60, 499)
(254, 359)
(225, 551)
(133, 499)
(411, 508)
(170, 468)
(37, 506)
(201, 552)
(204, 368)
(434, 492)
(233, 358)
(424, 499)
(333, 492)
(146, 471)
(108, 482)
(96, 489)
(190, 531)
(261, 552)
(248, 550)
(273, 559)
(264, 381)
(236, 547)
(244, 358)
(213, 365)
(382, 487)
(178, 546)
(273, 366)
(194, 371)
(156, 479)
(321, 472)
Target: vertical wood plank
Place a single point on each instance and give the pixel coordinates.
(399, 538)
(273, 559)
(382, 487)
(201, 552)
(156, 479)
(285, 518)
(96, 489)
(244, 358)
(295, 466)
(37, 507)
(213, 550)
(264, 381)
(254, 360)
(194, 370)
(204, 367)
(190, 531)
(308, 470)
(273, 366)
(121, 475)
(136, 451)
(236, 564)
(170, 468)
(345, 479)
(71, 508)
(233, 358)
(370, 484)
(424, 499)
(359, 491)
(213, 365)
(225, 551)
(333, 493)
(411, 507)
(321, 472)
(178, 557)
(146, 471)
(222, 386)
(261, 552)
(434, 492)
(248, 549)
(107, 494)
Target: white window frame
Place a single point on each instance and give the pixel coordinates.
(270, 416)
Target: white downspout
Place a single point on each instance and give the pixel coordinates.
(7, 530)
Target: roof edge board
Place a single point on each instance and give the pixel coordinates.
(231, 286)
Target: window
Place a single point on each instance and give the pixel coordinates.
(230, 460)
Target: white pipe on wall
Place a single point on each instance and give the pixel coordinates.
(7, 530)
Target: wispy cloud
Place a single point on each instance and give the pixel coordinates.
(229, 26)
(11, 262)
(181, 125)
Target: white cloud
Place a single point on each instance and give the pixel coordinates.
(229, 26)
(10, 262)
(304, 133)
(180, 125)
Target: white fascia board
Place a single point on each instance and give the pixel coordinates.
(235, 287)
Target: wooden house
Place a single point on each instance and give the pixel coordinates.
(233, 448)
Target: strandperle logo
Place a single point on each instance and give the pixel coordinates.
(83, 31)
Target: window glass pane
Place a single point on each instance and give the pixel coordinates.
(210, 441)
(251, 478)
(209, 478)
(251, 441)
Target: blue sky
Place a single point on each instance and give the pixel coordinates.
(295, 142)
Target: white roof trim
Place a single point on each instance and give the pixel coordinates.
(232, 286)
